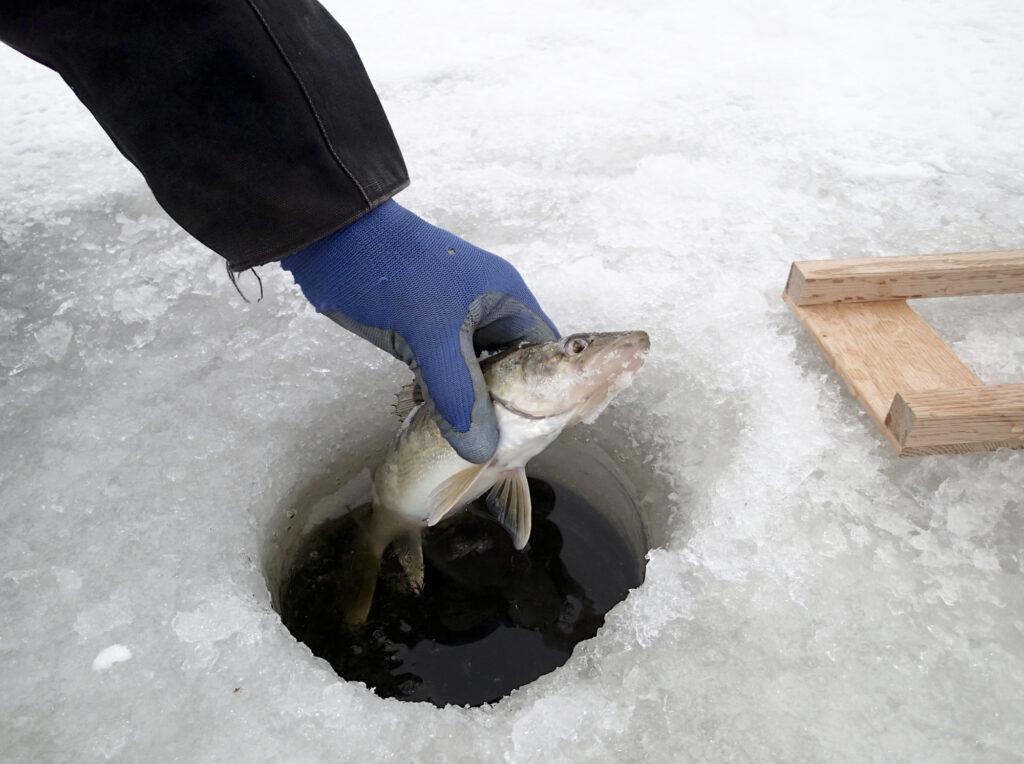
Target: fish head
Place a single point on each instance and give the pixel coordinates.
(576, 376)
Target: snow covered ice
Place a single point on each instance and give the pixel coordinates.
(648, 165)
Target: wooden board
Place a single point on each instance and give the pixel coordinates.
(815, 282)
(881, 349)
(958, 420)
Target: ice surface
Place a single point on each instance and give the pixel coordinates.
(647, 165)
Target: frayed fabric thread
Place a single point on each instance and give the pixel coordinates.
(234, 282)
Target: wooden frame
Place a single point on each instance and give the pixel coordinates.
(915, 388)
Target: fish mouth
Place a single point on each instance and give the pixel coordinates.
(639, 340)
(630, 350)
(634, 346)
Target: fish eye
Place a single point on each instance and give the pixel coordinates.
(575, 345)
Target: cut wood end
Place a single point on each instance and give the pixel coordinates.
(794, 285)
(899, 421)
(957, 420)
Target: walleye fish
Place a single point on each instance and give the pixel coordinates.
(538, 391)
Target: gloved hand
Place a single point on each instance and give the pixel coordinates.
(430, 299)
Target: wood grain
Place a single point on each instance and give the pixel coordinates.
(816, 282)
(958, 420)
(881, 349)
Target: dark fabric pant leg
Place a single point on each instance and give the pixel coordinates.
(253, 121)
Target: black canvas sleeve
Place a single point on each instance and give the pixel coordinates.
(253, 121)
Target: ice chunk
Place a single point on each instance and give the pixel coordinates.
(108, 656)
(54, 339)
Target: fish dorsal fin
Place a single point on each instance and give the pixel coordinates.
(406, 399)
(509, 501)
(447, 496)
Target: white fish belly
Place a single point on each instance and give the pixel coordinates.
(422, 460)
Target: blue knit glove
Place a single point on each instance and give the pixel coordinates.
(430, 299)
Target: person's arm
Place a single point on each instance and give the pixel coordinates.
(253, 121)
(256, 127)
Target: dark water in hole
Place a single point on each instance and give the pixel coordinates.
(489, 619)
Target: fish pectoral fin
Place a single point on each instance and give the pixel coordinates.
(509, 502)
(409, 549)
(407, 398)
(447, 496)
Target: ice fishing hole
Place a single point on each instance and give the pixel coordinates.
(489, 619)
